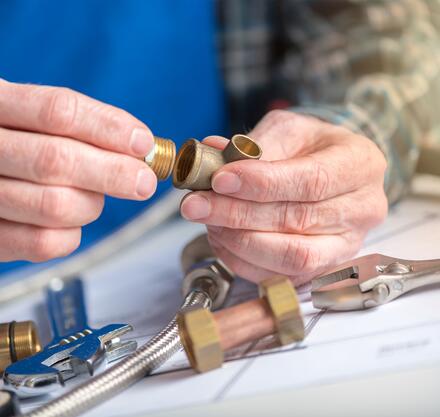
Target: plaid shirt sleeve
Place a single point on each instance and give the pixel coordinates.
(372, 66)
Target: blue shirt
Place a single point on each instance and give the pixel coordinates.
(156, 59)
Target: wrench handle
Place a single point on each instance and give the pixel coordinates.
(66, 308)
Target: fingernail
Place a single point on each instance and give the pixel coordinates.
(145, 183)
(195, 207)
(226, 183)
(141, 141)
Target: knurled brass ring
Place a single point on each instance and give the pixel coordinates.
(201, 339)
(18, 340)
(283, 302)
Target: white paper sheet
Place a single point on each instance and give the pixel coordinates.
(142, 287)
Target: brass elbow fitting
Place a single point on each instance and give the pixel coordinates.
(205, 336)
(18, 340)
(196, 162)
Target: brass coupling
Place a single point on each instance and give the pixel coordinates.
(18, 340)
(195, 163)
(205, 336)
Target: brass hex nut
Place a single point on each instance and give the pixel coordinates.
(283, 302)
(200, 338)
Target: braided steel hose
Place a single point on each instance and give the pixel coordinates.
(125, 373)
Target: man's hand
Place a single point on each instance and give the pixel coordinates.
(60, 152)
(304, 208)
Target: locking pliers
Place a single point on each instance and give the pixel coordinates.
(372, 280)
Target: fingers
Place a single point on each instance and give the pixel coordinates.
(363, 209)
(251, 272)
(48, 206)
(324, 174)
(66, 162)
(32, 243)
(290, 255)
(218, 142)
(64, 112)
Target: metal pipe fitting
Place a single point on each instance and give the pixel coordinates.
(18, 340)
(197, 162)
(201, 267)
(206, 336)
(161, 158)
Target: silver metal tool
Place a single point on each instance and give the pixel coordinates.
(76, 348)
(372, 280)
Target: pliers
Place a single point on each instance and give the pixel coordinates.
(372, 280)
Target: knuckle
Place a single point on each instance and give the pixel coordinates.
(266, 186)
(43, 246)
(115, 175)
(59, 108)
(303, 217)
(240, 214)
(48, 244)
(316, 187)
(54, 205)
(298, 258)
(241, 241)
(278, 117)
(51, 161)
(115, 120)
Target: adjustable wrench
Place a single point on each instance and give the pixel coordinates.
(76, 348)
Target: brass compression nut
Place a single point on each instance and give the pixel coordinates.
(197, 162)
(162, 157)
(201, 339)
(284, 304)
(18, 340)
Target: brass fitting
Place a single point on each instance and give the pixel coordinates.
(18, 340)
(195, 163)
(200, 338)
(285, 308)
(205, 335)
(161, 158)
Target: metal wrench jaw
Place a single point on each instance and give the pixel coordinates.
(369, 281)
(49, 369)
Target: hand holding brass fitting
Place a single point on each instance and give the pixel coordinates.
(196, 162)
(206, 335)
(18, 340)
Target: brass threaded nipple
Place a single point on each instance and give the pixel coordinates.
(161, 158)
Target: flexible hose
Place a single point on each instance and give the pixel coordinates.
(125, 373)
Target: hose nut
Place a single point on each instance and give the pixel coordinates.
(200, 338)
(197, 162)
(18, 340)
(284, 304)
(199, 263)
